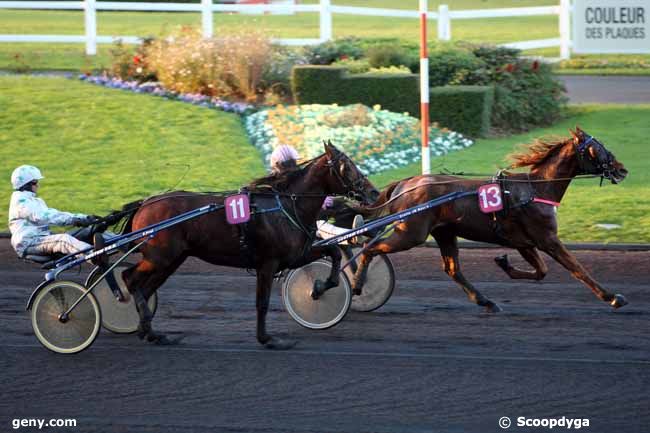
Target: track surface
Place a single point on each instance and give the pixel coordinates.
(428, 361)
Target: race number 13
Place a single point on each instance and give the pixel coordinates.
(237, 209)
(489, 198)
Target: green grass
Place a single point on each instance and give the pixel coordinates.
(623, 130)
(99, 148)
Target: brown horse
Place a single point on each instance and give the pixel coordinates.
(270, 242)
(527, 222)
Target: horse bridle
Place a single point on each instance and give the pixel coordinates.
(587, 164)
(355, 187)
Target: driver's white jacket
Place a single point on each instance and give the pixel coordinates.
(30, 218)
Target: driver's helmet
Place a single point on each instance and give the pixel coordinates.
(23, 175)
(283, 154)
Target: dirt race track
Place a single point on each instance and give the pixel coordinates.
(428, 361)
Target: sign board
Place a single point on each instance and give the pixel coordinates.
(611, 26)
(238, 209)
(489, 198)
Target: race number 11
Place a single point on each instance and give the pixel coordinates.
(237, 209)
(489, 198)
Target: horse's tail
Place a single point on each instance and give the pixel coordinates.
(128, 211)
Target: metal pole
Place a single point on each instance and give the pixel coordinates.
(424, 89)
(90, 16)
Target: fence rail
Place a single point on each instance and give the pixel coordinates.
(325, 9)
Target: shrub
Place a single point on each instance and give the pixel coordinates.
(383, 56)
(355, 66)
(495, 56)
(131, 64)
(463, 108)
(230, 66)
(527, 94)
(277, 74)
(390, 70)
(328, 52)
(446, 64)
(466, 108)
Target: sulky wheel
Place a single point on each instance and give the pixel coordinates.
(324, 312)
(120, 317)
(70, 334)
(379, 285)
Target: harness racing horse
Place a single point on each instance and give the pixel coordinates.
(274, 240)
(527, 222)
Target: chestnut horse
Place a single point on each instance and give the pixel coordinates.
(527, 222)
(278, 239)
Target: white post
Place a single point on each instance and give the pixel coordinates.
(565, 29)
(325, 20)
(444, 23)
(90, 15)
(206, 18)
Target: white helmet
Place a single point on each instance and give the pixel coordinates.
(24, 174)
(282, 154)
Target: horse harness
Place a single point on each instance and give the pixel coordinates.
(514, 199)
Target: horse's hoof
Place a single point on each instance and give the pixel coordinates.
(317, 290)
(502, 262)
(618, 301)
(491, 307)
(279, 344)
(356, 292)
(162, 340)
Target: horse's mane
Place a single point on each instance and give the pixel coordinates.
(281, 180)
(536, 152)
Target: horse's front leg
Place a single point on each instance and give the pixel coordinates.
(262, 297)
(334, 253)
(554, 248)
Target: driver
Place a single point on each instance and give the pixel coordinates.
(285, 157)
(30, 218)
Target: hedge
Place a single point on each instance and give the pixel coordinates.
(466, 109)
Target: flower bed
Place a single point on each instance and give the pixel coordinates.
(376, 139)
(156, 89)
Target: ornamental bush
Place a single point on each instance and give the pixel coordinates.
(384, 56)
(227, 67)
(463, 108)
(527, 94)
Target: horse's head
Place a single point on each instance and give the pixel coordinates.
(345, 178)
(594, 158)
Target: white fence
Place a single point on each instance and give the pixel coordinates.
(325, 9)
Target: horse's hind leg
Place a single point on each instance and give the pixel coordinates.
(143, 279)
(531, 255)
(554, 248)
(449, 251)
